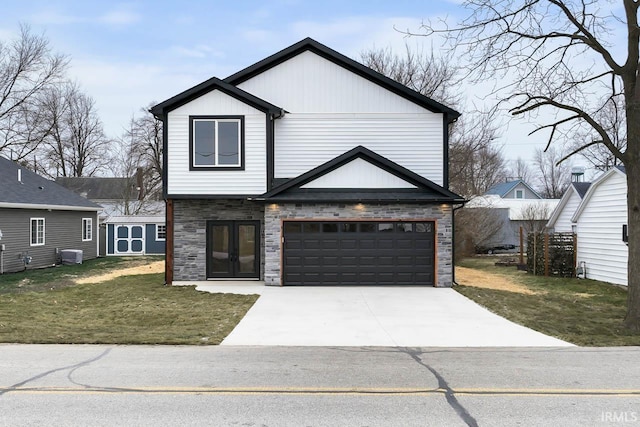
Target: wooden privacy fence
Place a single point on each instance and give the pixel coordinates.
(551, 254)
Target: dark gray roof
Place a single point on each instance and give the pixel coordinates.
(581, 188)
(33, 189)
(99, 188)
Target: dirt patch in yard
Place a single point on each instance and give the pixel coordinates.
(481, 279)
(154, 267)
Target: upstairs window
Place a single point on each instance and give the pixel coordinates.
(216, 142)
(519, 194)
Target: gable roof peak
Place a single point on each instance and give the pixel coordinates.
(309, 44)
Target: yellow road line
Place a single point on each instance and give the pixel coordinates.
(322, 390)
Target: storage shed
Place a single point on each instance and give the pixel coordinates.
(135, 235)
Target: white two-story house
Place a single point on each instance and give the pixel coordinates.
(307, 168)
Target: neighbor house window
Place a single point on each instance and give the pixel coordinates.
(37, 231)
(161, 232)
(87, 229)
(216, 142)
(519, 194)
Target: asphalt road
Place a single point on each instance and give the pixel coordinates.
(316, 386)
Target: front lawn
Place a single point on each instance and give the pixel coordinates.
(45, 306)
(583, 312)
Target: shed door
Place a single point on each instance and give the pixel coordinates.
(359, 253)
(129, 239)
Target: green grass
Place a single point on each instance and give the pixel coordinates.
(583, 312)
(126, 310)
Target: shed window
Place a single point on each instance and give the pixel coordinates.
(37, 231)
(87, 229)
(217, 142)
(161, 232)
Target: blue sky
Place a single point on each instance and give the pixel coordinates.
(128, 54)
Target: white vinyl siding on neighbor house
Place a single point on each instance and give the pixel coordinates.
(564, 224)
(305, 141)
(251, 180)
(358, 173)
(308, 83)
(599, 229)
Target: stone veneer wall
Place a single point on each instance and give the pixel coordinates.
(190, 232)
(441, 214)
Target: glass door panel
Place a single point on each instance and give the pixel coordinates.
(247, 248)
(220, 249)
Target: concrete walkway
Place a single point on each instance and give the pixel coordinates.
(371, 316)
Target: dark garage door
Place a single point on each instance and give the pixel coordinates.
(358, 253)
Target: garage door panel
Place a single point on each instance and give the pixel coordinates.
(358, 253)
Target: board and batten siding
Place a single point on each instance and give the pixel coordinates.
(309, 83)
(181, 180)
(63, 230)
(358, 173)
(599, 226)
(304, 141)
(564, 223)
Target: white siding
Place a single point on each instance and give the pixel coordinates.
(251, 180)
(563, 223)
(304, 141)
(308, 83)
(358, 174)
(600, 243)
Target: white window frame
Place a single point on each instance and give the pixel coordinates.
(519, 194)
(216, 162)
(87, 229)
(158, 238)
(31, 236)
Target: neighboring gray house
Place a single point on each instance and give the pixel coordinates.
(117, 196)
(38, 218)
(515, 189)
(307, 168)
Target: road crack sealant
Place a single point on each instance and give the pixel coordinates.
(72, 369)
(449, 393)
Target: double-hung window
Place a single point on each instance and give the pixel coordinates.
(216, 142)
(37, 231)
(87, 229)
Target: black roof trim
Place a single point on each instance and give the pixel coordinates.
(205, 87)
(441, 193)
(345, 62)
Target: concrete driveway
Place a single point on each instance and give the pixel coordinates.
(371, 316)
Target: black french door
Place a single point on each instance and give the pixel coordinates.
(233, 249)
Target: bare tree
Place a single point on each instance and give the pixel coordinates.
(478, 228)
(28, 67)
(474, 162)
(563, 56)
(139, 159)
(76, 144)
(520, 169)
(554, 176)
(533, 217)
